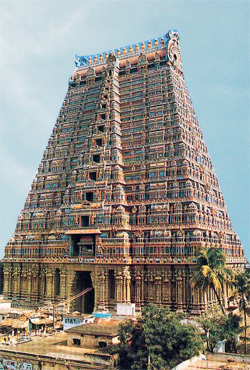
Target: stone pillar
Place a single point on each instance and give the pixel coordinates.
(29, 274)
(23, 286)
(179, 285)
(16, 276)
(42, 285)
(138, 290)
(106, 288)
(7, 281)
(35, 285)
(183, 299)
(151, 291)
(128, 283)
(195, 306)
(53, 273)
(48, 285)
(167, 287)
(63, 284)
(196, 302)
(70, 288)
(158, 289)
(118, 286)
(102, 285)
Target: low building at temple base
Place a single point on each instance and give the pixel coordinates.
(53, 352)
(100, 334)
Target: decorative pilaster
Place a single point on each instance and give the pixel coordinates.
(158, 283)
(128, 283)
(63, 284)
(7, 281)
(179, 286)
(101, 285)
(42, 284)
(118, 286)
(167, 287)
(35, 285)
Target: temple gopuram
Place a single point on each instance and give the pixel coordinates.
(125, 195)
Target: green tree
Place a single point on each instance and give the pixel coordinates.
(218, 327)
(211, 272)
(241, 294)
(157, 335)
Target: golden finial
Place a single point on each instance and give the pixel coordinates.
(118, 53)
(156, 43)
(142, 46)
(136, 47)
(130, 50)
(162, 41)
(95, 59)
(101, 58)
(90, 60)
(106, 55)
(124, 51)
(149, 44)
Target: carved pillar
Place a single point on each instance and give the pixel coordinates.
(128, 283)
(34, 284)
(8, 281)
(187, 289)
(93, 280)
(29, 274)
(183, 299)
(138, 290)
(106, 289)
(14, 285)
(42, 285)
(142, 274)
(70, 287)
(126, 296)
(179, 282)
(48, 285)
(158, 289)
(151, 292)
(63, 284)
(102, 285)
(118, 286)
(53, 273)
(124, 288)
(167, 287)
(196, 302)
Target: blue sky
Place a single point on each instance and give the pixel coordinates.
(39, 40)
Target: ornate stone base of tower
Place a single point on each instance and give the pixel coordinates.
(166, 285)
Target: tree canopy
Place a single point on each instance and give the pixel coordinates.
(211, 272)
(158, 337)
(241, 294)
(218, 327)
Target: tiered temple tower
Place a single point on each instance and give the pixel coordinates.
(125, 195)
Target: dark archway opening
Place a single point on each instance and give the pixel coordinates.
(57, 282)
(85, 303)
(111, 284)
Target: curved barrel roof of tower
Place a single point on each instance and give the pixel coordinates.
(126, 51)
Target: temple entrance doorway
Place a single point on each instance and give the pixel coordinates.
(85, 303)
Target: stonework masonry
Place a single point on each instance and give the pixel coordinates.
(125, 194)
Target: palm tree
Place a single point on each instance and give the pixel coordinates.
(241, 293)
(212, 272)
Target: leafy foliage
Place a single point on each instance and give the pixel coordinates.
(218, 327)
(212, 272)
(241, 294)
(158, 333)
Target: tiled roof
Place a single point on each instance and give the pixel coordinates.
(108, 328)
